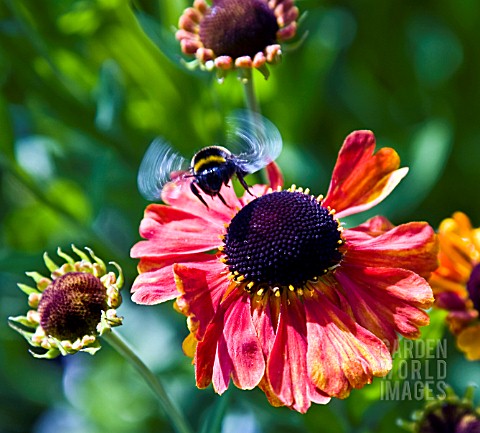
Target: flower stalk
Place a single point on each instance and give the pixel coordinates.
(120, 345)
(251, 101)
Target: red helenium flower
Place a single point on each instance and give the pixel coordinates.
(277, 294)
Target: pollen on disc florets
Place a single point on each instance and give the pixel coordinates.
(73, 307)
(282, 240)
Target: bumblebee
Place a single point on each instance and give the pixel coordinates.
(254, 140)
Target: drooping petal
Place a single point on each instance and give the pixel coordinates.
(410, 246)
(287, 363)
(341, 354)
(265, 323)
(387, 300)
(230, 347)
(361, 178)
(202, 286)
(171, 231)
(179, 195)
(266, 387)
(156, 282)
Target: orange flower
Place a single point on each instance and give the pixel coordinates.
(277, 293)
(456, 282)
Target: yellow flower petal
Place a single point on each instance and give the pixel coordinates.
(468, 341)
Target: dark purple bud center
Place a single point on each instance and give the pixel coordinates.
(238, 28)
(71, 306)
(473, 287)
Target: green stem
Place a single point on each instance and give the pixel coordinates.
(249, 91)
(178, 420)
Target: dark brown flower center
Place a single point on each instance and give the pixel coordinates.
(281, 239)
(450, 418)
(238, 28)
(473, 287)
(71, 306)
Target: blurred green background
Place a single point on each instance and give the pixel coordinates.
(86, 85)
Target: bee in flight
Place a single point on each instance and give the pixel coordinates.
(254, 142)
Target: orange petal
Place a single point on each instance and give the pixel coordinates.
(202, 286)
(361, 178)
(230, 348)
(287, 364)
(410, 246)
(387, 300)
(341, 354)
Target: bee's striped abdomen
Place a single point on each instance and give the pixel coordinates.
(209, 158)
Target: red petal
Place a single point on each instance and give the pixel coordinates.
(263, 322)
(287, 364)
(362, 179)
(341, 354)
(230, 347)
(410, 246)
(174, 231)
(147, 264)
(385, 300)
(202, 287)
(373, 227)
(156, 282)
(155, 287)
(275, 176)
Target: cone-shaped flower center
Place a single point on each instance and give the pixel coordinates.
(473, 287)
(238, 28)
(71, 307)
(281, 239)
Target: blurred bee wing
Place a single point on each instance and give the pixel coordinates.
(159, 165)
(253, 139)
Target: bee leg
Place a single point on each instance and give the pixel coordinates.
(197, 194)
(223, 200)
(243, 183)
